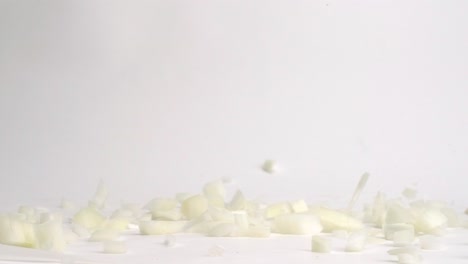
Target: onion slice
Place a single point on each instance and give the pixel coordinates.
(357, 192)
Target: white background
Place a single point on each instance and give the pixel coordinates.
(158, 97)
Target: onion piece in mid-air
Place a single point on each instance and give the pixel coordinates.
(357, 192)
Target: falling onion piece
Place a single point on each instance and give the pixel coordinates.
(100, 196)
(270, 166)
(358, 190)
(410, 193)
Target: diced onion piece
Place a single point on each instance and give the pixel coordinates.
(89, 218)
(135, 210)
(114, 247)
(16, 232)
(270, 166)
(299, 206)
(255, 208)
(215, 193)
(180, 197)
(453, 217)
(81, 231)
(297, 224)
(117, 224)
(357, 192)
(222, 230)
(277, 209)
(238, 201)
(429, 242)
(356, 241)
(145, 217)
(67, 205)
(241, 219)
(29, 212)
(389, 230)
(321, 244)
(104, 235)
(403, 237)
(173, 214)
(378, 209)
(161, 227)
(201, 227)
(466, 211)
(397, 214)
(410, 193)
(194, 206)
(161, 204)
(124, 213)
(409, 259)
(50, 235)
(335, 220)
(219, 214)
(430, 220)
(100, 196)
(404, 250)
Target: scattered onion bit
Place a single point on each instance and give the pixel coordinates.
(321, 244)
(270, 166)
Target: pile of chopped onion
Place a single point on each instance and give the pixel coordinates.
(406, 223)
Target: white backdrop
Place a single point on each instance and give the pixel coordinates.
(157, 97)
